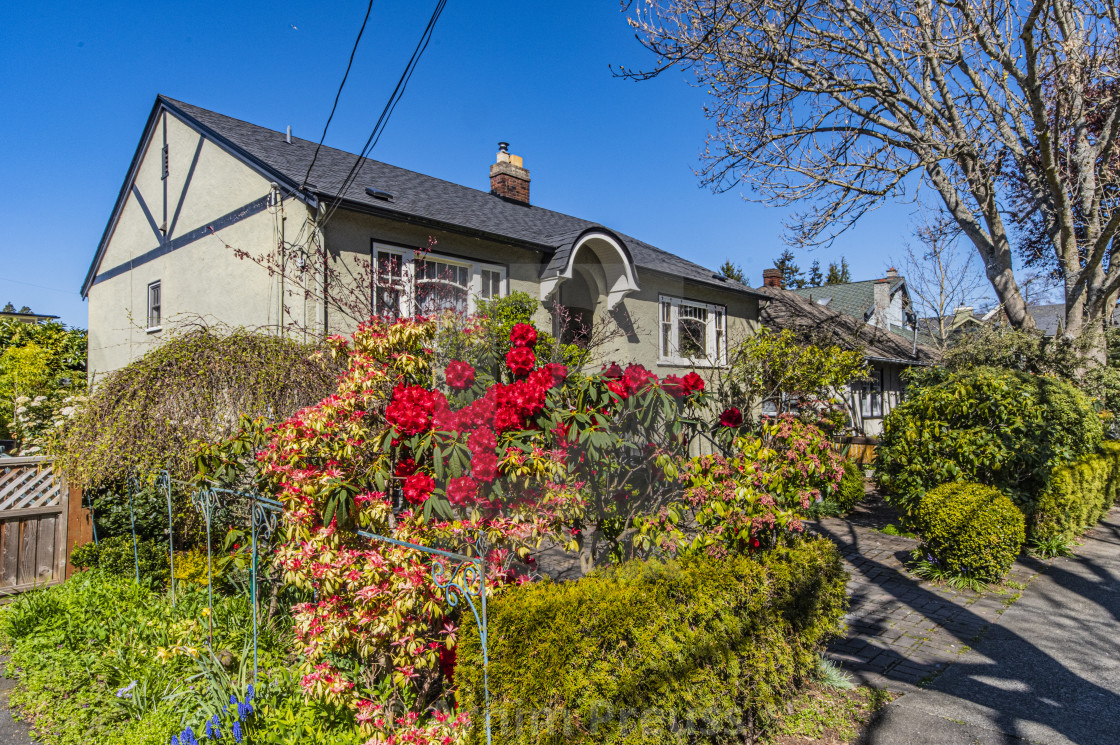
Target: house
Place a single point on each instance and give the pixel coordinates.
(824, 316)
(23, 315)
(204, 189)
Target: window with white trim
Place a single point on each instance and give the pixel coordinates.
(410, 283)
(155, 306)
(692, 333)
(868, 395)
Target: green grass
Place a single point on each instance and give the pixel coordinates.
(892, 529)
(822, 714)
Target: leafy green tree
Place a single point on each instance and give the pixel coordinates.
(838, 274)
(42, 363)
(780, 368)
(792, 276)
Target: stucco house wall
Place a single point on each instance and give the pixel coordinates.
(230, 187)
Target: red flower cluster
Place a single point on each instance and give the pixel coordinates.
(636, 379)
(411, 409)
(418, 487)
(678, 387)
(462, 490)
(521, 360)
(523, 335)
(731, 417)
(460, 375)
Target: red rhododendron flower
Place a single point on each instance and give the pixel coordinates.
(638, 378)
(731, 417)
(482, 440)
(674, 386)
(411, 409)
(406, 466)
(523, 335)
(484, 466)
(614, 372)
(418, 487)
(460, 375)
(520, 361)
(558, 372)
(619, 388)
(462, 490)
(694, 383)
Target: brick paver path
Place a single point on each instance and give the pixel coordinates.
(903, 631)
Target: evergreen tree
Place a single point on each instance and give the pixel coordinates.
(816, 279)
(838, 275)
(792, 276)
(731, 270)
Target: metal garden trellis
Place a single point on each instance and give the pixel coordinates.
(465, 577)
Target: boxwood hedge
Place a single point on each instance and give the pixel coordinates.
(971, 529)
(1077, 495)
(700, 650)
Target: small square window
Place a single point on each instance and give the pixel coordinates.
(155, 307)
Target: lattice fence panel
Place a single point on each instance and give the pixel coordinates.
(24, 486)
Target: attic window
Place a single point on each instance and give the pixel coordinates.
(384, 196)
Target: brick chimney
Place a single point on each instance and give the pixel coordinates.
(882, 288)
(509, 179)
(772, 278)
(892, 273)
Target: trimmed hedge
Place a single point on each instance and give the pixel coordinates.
(1002, 428)
(627, 655)
(971, 529)
(115, 556)
(851, 491)
(1078, 495)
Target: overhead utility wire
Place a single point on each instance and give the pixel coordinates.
(341, 85)
(390, 105)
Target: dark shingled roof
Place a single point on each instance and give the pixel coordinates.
(786, 309)
(425, 198)
(853, 298)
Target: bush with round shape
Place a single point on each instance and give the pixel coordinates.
(115, 556)
(971, 530)
(997, 427)
(1077, 495)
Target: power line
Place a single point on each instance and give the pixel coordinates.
(337, 95)
(390, 105)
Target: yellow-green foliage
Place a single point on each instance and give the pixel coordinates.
(190, 567)
(713, 647)
(851, 490)
(1078, 494)
(971, 529)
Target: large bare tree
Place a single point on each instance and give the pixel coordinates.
(941, 275)
(1007, 109)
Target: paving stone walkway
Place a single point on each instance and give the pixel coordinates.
(902, 631)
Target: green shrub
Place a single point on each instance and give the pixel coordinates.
(624, 655)
(851, 491)
(1077, 496)
(1002, 428)
(971, 530)
(115, 556)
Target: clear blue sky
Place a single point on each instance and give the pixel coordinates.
(80, 79)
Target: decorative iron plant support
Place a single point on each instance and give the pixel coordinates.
(456, 574)
(132, 482)
(164, 481)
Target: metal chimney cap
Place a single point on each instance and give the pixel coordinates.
(503, 147)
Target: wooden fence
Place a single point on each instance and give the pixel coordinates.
(34, 512)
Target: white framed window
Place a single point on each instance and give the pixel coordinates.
(868, 395)
(155, 306)
(408, 282)
(691, 333)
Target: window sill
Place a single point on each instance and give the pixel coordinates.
(153, 330)
(662, 362)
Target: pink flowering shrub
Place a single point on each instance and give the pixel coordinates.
(455, 456)
(752, 500)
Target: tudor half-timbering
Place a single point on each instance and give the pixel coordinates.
(203, 188)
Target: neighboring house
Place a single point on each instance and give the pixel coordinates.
(815, 314)
(882, 303)
(1051, 319)
(23, 315)
(202, 185)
